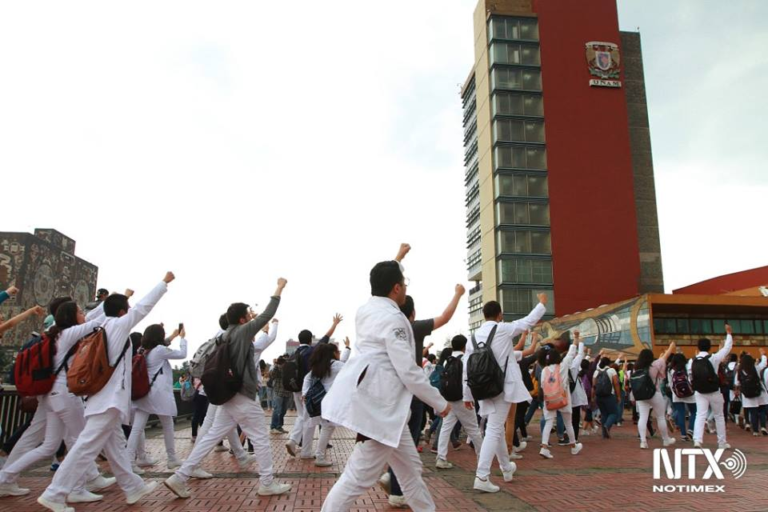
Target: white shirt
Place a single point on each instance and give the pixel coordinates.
(579, 395)
(715, 359)
(502, 346)
(260, 343)
(374, 389)
(161, 400)
(746, 402)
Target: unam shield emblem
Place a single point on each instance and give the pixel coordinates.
(603, 59)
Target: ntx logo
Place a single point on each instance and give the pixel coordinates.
(686, 458)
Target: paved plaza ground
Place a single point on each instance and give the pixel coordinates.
(607, 475)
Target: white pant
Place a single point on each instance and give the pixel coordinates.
(567, 415)
(468, 420)
(326, 432)
(494, 444)
(137, 431)
(659, 406)
(102, 431)
(301, 419)
(703, 404)
(232, 437)
(364, 468)
(31, 438)
(250, 416)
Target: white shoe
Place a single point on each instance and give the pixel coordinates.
(55, 507)
(427, 434)
(397, 501)
(322, 462)
(273, 489)
(173, 464)
(669, 441)
(385, 482)
(697, 444)
(643, 445)
(246, 462)
(544, 452)
(177, 486)
(145, 463)
(220, 448)
(274, 432)
(137, 470)
(83, 497)
(12, 490)
(443, 464)
(291, 447)
(485, 485)
(724, 446)
(509, 475)
(200, 474)
(576, 448)
(528, 438)
(515, 456)
(99, 483)
(148, 488)
(306, 457)
(518, 449)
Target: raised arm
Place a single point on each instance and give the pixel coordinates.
(253, 327)
(521, 342)
(337, 318)
(670, 350)
(529, 321)
(70, 336)
(16, 320)
(10, 292)
(533, 346)
(726, 349)
(446, 316)
(266, 339)
(181, 353)
(580, 354)
(138, 312)
(346, 351)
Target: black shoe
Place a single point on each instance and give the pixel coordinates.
(606, 434)
(564, 441)
(329, 446)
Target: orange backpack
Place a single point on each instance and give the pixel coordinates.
(90, 369)
(555, 396)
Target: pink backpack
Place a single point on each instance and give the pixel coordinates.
(555, 396)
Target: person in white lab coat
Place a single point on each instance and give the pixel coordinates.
(497, 409)
(107, 409)
(160, 400)
(552, 368)
(372, 396)
(753, 405)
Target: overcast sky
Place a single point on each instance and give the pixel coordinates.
(237, 142)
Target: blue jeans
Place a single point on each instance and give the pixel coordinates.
(609, 410)
(279, 408)
(757, 416)
(678, 408)
(414, 425)
(531, 410)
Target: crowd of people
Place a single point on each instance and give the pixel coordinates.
(393, 394)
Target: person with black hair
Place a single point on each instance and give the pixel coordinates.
(579, 400)
(302, 418)
(108, 408)
(605, 391)
(655, 370)
(280, 397)
(751, 374)
(64, 412)
(678, 373)
(101, 294)
(372, 396)
(701, 376)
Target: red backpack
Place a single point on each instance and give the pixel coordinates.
(140, 383)
(34, 373)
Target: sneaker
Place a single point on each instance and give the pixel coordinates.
(100, 483)
(274, 432)
(724, 446)
(427, 435)
(643, 445)
(456, 444)
(747, 427)
(669, 441)
(544, 452)
(274, 489)
(385, 482)
(177, 486)
(690, 433)
(515, 456)
(485, 485)
(443, 464)
(686, 439)
(528, 438)
(518, 449)
(322, 462)
(697, 444)
(83, 497)
(220, 448)
(12, 490)
(606, 434)
(755, 434)
(576, 448)
(509, 475)
(55, 466)
(148, 488)
(145, 463)
(54, 506)
(137, 470)
(291, 447)
(764, 431)
(200, 474)
(307, 457)
(433, 450)
(173, 463)
(282, 431)
(397, 501)
(420, 449)
(246, 462)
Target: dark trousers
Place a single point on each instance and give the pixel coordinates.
(576, 422)
(201, 409)
(609, 410)
(414, 425)
(520, 426)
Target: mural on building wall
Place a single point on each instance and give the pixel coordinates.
(620, 329)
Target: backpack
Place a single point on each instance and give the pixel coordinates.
(293, 370)
(484, 375)
(750, 384)
(436, 376)
(197, 364)
(314, 398)
(33, 370)
(643, 387)
(705, 380)
(730, 377)
(451, 385)
(140, 384)
(535, 391)
(221, 381)
(187, 392)
(603, 386)
(90, 370)
(681, 385)
(35, 338)
(555, 396)
(571, 380)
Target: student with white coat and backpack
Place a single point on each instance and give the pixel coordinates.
(512, 390)
(557, 394)
(683, 399)
(579, 399)
(646, 390)
(750, 383)
(160, 400)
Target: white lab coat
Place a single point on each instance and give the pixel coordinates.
(503, 348)
(372, 394)
(748, 403)
(260, 342)
(117, 392)
(714, 359)
(161, 400)
(579, 395)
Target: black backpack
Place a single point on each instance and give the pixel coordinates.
(750, 384)
(642, 385)
(221, 381)
(485, 377)
(603, 386)
(730, 377)
(705, 379)
(293, 370)
(314, 398)
(571, 380)
(451, 385)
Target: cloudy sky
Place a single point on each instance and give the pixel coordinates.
(237, 142)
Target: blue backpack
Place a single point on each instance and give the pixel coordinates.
(437, 376)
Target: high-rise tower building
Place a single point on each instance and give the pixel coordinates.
(559, 175)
